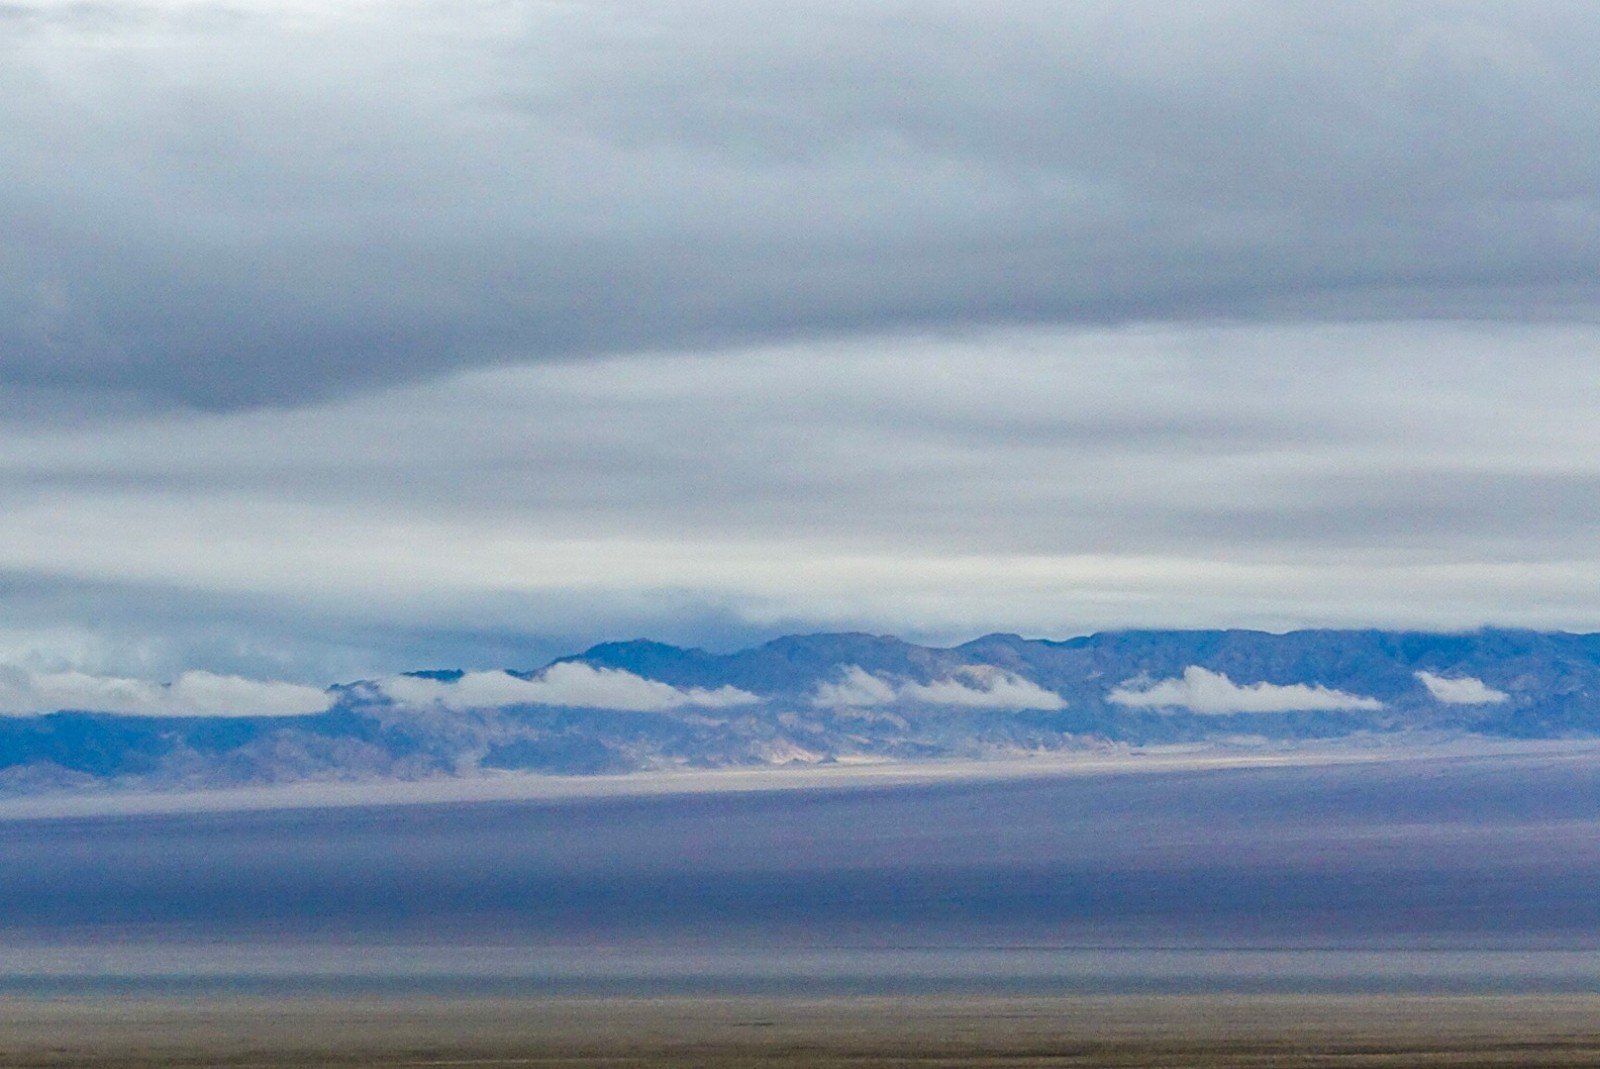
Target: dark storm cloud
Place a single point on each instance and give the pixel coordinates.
(268, 205)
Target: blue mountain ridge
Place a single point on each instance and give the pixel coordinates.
(781, 710)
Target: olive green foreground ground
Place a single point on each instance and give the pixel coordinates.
(1344, 1032)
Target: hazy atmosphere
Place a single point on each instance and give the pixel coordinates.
(689, 533)
(351, 338)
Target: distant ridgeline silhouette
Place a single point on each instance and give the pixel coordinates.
(627, 706)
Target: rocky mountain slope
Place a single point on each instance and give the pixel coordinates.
(847, 697)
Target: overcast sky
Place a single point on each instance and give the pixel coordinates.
(344, 338)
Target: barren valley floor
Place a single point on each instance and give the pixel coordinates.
(1348, 1032)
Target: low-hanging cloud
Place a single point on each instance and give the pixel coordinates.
(570, 683)
(856, 688)
(191, 694)
(1203, 691)
(987, 690)
(1461, 690)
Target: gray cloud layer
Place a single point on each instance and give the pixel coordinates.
(1050, 482)
(231, 206)
(342, 339)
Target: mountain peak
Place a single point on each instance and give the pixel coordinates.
(642, 704)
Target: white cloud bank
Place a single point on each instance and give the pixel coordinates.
(25, 693)
(1202, 691)
(1461, 690)
(988, 690)
(570, 683)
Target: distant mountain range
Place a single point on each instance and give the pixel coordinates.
(628, 706)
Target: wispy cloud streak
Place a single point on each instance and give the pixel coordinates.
(1461, 690)
(990, 689)
(194, 693)
(1203, 691)
(568, 684)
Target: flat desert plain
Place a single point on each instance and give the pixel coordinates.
(1348, 1032)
